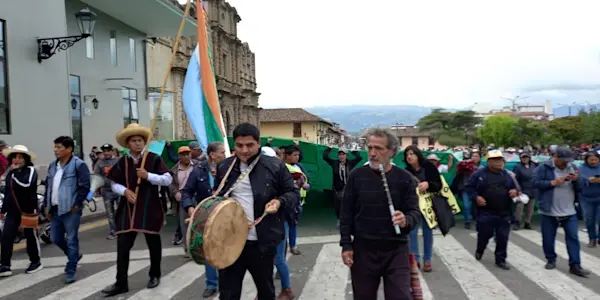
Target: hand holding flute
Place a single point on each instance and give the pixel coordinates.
(398, 217)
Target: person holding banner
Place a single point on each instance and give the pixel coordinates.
(429, 181)
(493, 189)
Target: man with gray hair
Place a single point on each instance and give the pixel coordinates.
(377, 239)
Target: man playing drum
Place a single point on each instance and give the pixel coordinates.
(264, 186)
(140, 209)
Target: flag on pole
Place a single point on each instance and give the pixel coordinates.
(200, 98)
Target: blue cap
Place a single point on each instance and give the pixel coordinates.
(564, 153)
(194, 145)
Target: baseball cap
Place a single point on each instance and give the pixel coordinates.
(343, 150)
(564, 153)
(495, 154)
(183, 149)
(106, 147)
(194, 145)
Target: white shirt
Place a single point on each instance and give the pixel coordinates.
(243, 195)
(56, 184)
(442, 168)
(155, 179)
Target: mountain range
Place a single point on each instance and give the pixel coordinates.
(354, 118)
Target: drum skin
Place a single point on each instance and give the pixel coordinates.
(217, 232)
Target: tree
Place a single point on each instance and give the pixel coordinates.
(498, 130)
(568, 130)
(528, 130)
(450, 128)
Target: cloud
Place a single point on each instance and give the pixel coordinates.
(433, 53)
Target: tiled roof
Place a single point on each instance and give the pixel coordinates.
(289, 115)
(408, 132)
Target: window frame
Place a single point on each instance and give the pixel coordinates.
(129, 119)
(133, 53)
(414, 140)
(78, 142)
(5, 71)
(297, 129)
(114, 59)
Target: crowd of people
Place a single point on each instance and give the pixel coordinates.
(377, 236)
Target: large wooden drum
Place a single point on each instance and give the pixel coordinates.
(217, 232)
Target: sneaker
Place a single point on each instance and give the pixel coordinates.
(34, 267)
(70, 278)
(111, 236)
(5, 271)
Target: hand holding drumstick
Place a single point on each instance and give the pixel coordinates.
(271, 208)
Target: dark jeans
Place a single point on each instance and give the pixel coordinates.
(338, 196)
(67, 226)
(11, 229)
(125, 242)
(259, 264)
(488, 226)
(570, 225)
(372, 261)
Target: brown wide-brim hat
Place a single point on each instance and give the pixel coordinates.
(19, 149)
(133, 129)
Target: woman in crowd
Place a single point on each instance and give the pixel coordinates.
(464, 169)
(523, 174)
(429, 181)
(20, 198)
(589, 183)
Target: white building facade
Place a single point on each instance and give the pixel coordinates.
(88, 91)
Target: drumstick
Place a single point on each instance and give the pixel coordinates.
(389, 196)
(163, 87)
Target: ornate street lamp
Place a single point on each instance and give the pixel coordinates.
(47, 47)
(95, 103)
(73, 103)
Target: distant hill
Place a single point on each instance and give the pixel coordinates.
(354, 118)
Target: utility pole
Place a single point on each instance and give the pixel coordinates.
(514, 101)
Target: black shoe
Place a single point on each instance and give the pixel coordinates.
(478, 255)
(115, 289)
(579, 271)
(550, 266)
(153, 282)
(527, 226)
(177, 240)
(516, 226)
(503, 266)
(467, 225)
(5, 271)
(209, 293)
(34, 267)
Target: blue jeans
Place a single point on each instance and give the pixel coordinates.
(467, 205)
(591, 217)
(427, 241)
(212, 277)
(550, 226)
(67, 224)
(280, 262)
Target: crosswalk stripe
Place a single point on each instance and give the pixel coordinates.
(172, 284)
(22, 281)
(589, 261)
(425, 287)
(84, 288)
(61, 261)
(329, 277)
(556, 283)
(476, 281)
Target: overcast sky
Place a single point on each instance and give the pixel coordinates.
(431, 53)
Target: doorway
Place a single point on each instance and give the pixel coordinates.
(76, 114)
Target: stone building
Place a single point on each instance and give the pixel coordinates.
(235, 73)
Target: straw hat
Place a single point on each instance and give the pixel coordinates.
(19, 149)
(133, 129)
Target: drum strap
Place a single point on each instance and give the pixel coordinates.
(240, 178)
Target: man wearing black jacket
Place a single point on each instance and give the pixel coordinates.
(265, 182)
(377, 250)
(341, 168)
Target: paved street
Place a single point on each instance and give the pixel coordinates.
(317, 273)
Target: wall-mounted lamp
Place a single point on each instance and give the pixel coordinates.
(95, 103)
(73, 104)
(47, 47)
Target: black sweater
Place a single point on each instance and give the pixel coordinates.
(365, 213)
(24, 186)
(432, 176)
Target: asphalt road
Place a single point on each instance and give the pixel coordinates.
(317, 273)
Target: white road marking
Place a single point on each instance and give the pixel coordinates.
(18, 282)
(173, 283)
(329, 277)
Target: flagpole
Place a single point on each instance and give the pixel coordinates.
(162, 88)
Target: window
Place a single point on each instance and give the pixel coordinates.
(224, 66)
(431, 141)
(75, 107)
(297, 129)
(4, 108)
(132, 55)
(113, 47)
(130, 106)
(89, 47)
(164, 120)
(415, 140)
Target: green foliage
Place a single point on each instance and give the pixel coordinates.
(498, 130)
(450, 128)
(566, 130)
